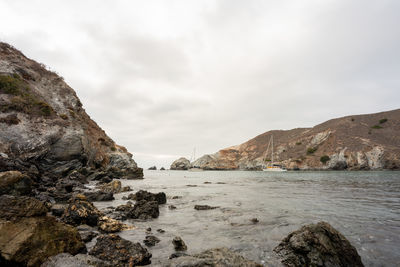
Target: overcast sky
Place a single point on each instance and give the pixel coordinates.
(163, 77)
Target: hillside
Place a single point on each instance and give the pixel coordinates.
(359, 142)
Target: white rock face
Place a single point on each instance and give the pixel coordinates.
(319, 138)
(374, 157)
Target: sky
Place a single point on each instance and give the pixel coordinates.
(165, 77)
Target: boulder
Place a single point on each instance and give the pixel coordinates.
(81, 211)
(218, 257)
(153, 168)
(79, 260)
(120, 252)
(99, 196)
(144, 210)
(181, 164)
(317, 245)
(162, 169)
(160, 197)
(15, 183)
(29, 241)
(179, 244)
(109, 225)
(17, 207)
(111, 187)
(151, 240)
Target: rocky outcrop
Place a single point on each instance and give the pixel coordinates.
(317, 245)
(80, 211)
(362, 142)
(44, 130)
(18, 207)
(15, 183)
(120, 252)
(144, 210)
(179, 244)
(213, 257)
(160, 197)
(181, 164)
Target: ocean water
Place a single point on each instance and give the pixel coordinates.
(363, 206)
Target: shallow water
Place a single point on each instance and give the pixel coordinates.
(363, 206)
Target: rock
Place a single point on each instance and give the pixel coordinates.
(179, 244)
(254, 220)
(160, 197)
(31, 240)
(171, 207)
(181, 164)
(99, 196)
(148, 229)
(87, 236)
(151, 240)
(58, 209)
(177, 255)
(17, 207)
(317, 245)
(109, 225)
(120, 252)
(112, 187)
(204, 207)
(81, 211)
(126, 189)
(214, 257)
(144, 210)
(15, 183)
(153, 168)
(161, 231)
(162, 169)
(79, 260)
(176, 197)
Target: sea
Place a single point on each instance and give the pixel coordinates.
(363, 205)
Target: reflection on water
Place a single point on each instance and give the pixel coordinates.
(364, 206)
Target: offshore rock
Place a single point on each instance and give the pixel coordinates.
(79, 260)
(317, 245)
(151, 240)
(204, 207)
(181, 164)
(179, 244)
(120, 252)
(160, 197)
(218, 257)
(81, 211)
(111, 187)
(15, 183)
(109, 225)
(16, 207)
(144, 210)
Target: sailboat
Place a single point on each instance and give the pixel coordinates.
(272, 167)
(192, 159)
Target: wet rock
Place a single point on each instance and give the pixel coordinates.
(58, 209)
(109, 225)
(112, 187)
(161, 231)
(160, 197)
(81, 211)
(17, 207)
(207, 183)
(87, 232)
(151, 241)
(31, 240)
(181, 164)
(179, 244)
(99, 196)
(254, 220)
(317, 245)
(213, 257)
(153, 168)
(204, 207)
(171, 207)
(79, 260)
(177, 255)
(176, 197)
(191, 185)
(162, 169)
(126, 189)
(144, 210)
(148, 229)
(120, 252)
(15, 183)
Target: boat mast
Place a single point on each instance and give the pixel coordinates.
(272, 155)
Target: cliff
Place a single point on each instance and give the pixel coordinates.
(359, 142)
(44, 130)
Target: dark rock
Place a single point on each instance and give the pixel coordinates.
(153, 168)
(340, 165)
(15, 183)
(11, 119)
(144, 210)
(120, 252)
(126, 188)
(177, 255)
(162, 169)
(191, 185)
(87, 236)
(81, 211)
(99, 196)
(207, 183)
(79, 260)
(213, 257)
(151, 241)
(204, 207)
(58, 209)
(148, 229)
(176, 197)
(161, 231)
(254, 220)
(16, 207)
(171, 207)
(30, 241)
(317, 245)
(160, 197)
(179, 244)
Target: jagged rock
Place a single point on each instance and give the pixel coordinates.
(31, 240)
(179, 244)
(162, 169)
(15, 183)
(79, 260)
(99, 196)
(144, 210)
(151, 240)
(81, 211)
(109, 225)
(204, 207)
(181, 164)
(214, 257)
(58, 209)
(160, 197)
(120, 252)
(113, 187)
(153, 168)
(317, 245)
(177, 255)
(16, 207)
(172, 207)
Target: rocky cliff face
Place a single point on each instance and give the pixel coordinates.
(361, 142)
(44, 130)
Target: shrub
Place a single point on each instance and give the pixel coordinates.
(383, 120)
(113, 148)
(376, 127)
(324, 159)
(298, 143)
(311, 150)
